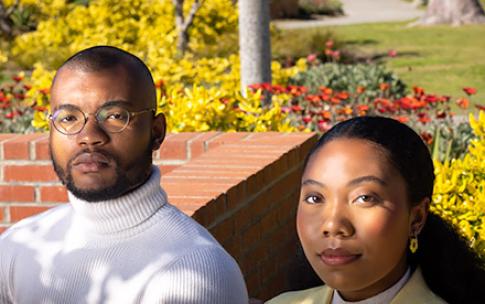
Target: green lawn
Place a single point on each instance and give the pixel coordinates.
(441, 59)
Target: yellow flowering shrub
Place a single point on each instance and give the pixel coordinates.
(459, 190)
(143, 27)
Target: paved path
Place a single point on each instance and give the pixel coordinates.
(360, 11)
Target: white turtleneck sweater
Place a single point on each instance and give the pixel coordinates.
(134, 249)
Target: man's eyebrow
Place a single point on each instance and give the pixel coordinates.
(310, 182)
(119, 102)
(367, 178)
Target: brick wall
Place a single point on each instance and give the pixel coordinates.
(242, 186)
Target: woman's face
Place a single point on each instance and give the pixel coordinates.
(354, 220)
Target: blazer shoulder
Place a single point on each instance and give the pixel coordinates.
(320, 295)
(416, 288)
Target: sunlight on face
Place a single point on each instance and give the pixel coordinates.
(353, 218)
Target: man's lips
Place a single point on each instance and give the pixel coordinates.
(338, 256)
(90, 162)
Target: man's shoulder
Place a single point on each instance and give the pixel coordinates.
(38, 223)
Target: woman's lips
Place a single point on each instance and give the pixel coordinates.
(90, 162)
(338, 257)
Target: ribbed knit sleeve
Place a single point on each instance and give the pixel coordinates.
(4, 278)
(205, 276)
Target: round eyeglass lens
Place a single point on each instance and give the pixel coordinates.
(68, 121)
(113, 118)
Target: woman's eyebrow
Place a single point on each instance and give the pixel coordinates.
(367, 178)
(309, 182)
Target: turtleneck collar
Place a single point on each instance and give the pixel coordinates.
(124, 212)
(382, 298)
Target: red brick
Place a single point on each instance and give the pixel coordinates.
(236, 195)
(56, 194)
(198, 179)
(17, 193)
(29, 173)
(184, 201)
(42, 149)
(225, 138)
(199, 144)
(20, 212)
(2, 229)
(164, 169)
(19, 147)
(2, 214)
(195, 189)
(175, 146)
(223, 231)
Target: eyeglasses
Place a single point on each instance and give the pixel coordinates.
(70, 120)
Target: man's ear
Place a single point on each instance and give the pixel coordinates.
(159, 128)
(418, 216)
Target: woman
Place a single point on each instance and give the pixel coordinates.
(364, 223)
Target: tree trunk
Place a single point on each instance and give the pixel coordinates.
(183, 23)
(254, 42)
(454, 12)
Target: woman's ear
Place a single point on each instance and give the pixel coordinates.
(418, 216)
(159, 128)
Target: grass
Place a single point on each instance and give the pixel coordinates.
(441, 59)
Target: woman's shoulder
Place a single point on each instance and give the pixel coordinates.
(416, 288)
(320, 294)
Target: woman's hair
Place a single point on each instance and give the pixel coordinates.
(450, 268)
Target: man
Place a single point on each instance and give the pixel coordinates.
(119, 240)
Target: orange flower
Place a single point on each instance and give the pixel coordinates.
(418, 91)
(463, 103)
(326, 115)
(402, 119)
(325, 90)
(342, 95)
(360, 89)
(384, 86)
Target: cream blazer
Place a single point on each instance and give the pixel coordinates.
(414, 291)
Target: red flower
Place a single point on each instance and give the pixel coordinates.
(323, 126)
(27, 87)
(44, 91)
(463, 103)
(17, 78)
(441, 115)
(311, 57)
(329, 44)
(10, 115)
(423, 118)
(392, 53)
(427, 137)
(307, 118)
(480, 107)
(360, 90)
(469, 91)
(296, 108)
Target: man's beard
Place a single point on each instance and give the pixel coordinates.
(121, 186)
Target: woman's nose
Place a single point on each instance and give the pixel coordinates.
(336, 221)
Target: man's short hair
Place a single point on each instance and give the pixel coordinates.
(103, 57)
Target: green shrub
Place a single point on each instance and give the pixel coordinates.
(321, 7)
(351, 78)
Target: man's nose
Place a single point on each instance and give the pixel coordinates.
(92, 134)
(336, 221)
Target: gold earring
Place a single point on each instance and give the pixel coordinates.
(413, 244)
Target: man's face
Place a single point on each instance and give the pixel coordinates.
(95, 164)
